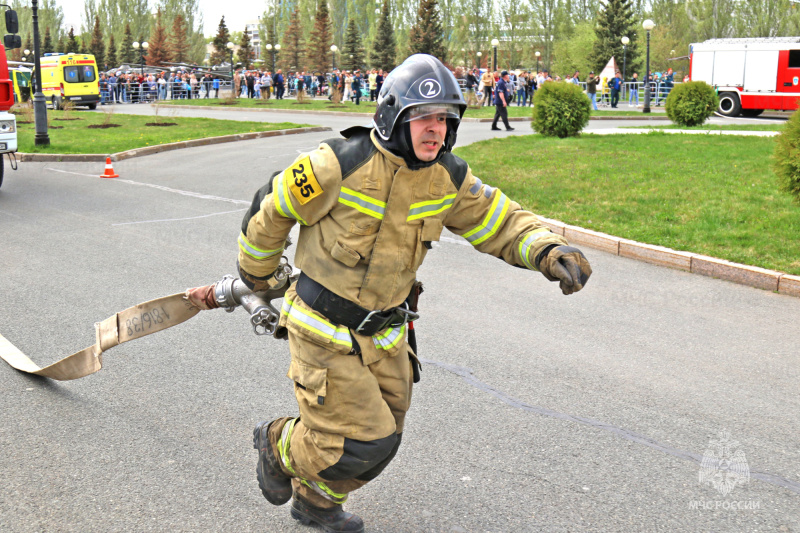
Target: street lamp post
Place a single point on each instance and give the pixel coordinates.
(141, 48)
(538, 55)
(479, 54)
(229, 46)
(269, 49)
(625, 42)
(41, 138)
(334, 48)
(647, 25)
(495, 42)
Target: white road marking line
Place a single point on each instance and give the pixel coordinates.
(75, 173)
(179, 219)
(161, 188)
(185, 193)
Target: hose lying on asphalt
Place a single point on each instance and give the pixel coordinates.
(158, 315)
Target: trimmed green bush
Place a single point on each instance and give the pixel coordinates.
(786, 159)
(691, 103)
(560, 109)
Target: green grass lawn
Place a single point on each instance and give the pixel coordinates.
(74, 136)
(705, 194)
(322, 104)
(716, 127)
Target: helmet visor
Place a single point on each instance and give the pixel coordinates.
(439, 111)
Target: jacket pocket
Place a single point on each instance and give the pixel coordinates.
(364, 228)
(429, 231)
(311, 379)
(345, 254)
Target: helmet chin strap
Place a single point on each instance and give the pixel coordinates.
(401, 145)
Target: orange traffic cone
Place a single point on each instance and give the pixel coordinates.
(109, 173)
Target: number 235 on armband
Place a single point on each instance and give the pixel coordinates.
(302, 182)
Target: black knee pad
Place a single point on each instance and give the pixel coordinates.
(373, 472)
(360, 457)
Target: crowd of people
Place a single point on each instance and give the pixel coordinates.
(131, 88)
(356, 85)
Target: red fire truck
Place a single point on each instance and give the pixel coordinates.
(750, 75)
(8, 122)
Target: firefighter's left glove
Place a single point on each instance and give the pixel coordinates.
(254, 283)
(565, 264)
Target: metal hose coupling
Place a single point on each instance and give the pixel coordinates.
(231, 292)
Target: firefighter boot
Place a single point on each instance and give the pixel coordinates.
(275, 485)
(332, 519)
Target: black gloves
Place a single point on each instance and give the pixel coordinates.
(565, 264)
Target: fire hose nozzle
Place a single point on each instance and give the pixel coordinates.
(231, 292)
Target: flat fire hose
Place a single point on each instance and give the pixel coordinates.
(132, 323)
(157, 315)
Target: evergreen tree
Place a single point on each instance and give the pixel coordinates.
(111, 54)
(178, 40)
(27, 44)
(62, 44)
(293, 50)
(353, 53)
(384, 53)
(319, 52)
(614, 21)
(220, 54)
(159, 51)
(72, 42)
(245, 53)
(97, 47)
(126, 52)
(426, 35)
(47, 47)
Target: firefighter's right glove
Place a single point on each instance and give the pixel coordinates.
(565, 264)
(255, 283)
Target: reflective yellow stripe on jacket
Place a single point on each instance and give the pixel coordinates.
(430, 208)
(254, 252)
(389, 338)
(283, 203)
(323, 328)
(491, 222)
(526, 242)
(362, 203)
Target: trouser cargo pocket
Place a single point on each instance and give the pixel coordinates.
(311, 381)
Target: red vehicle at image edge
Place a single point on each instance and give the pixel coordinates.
(8, 122)
(750, 75)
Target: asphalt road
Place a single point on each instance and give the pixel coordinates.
(536, 411)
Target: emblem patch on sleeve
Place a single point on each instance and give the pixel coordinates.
(302, 182)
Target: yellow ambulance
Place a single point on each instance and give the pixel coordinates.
(70, 78)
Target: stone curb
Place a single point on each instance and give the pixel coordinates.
(350, 114)
(759, 278)
(150, 150)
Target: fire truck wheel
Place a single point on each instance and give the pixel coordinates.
(752, 112)
(729, 105)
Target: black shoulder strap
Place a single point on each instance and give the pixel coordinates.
(456, 167)
(354, 150)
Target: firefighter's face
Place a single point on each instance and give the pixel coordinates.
(427, 135)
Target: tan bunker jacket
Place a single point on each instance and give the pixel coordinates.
(368, 220)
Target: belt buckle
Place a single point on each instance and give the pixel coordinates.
(360, 328)
(408, 314)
